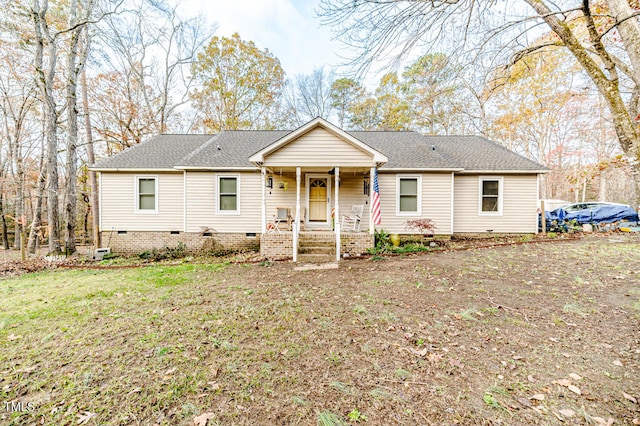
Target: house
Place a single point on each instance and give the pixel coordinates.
(226, 190)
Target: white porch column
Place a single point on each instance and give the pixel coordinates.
(296, 222)
(336, 215)
(372, 226)
(263, 173)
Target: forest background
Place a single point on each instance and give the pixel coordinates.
(82, 80)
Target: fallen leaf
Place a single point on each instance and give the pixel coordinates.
(553, 339)
(629, 397)
(85, 416)
(558, 416)
(568, 413)
(134, 390)
(530, 378)
(563, 382)
(575, 389)
(456, 363)
(13, 337)
(433, 358)
(618, 362)
(203, 419)
(170, 371)
(420, 353)
(538, 396)
(606, 345)
(636, 421)
(524, 402)
(575, 376)
(566, 355)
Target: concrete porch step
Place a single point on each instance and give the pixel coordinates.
(316, 258)
(317, 249)
(316, 243)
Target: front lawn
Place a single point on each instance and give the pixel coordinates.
(523, 334)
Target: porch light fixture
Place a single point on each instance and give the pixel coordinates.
(269, 182)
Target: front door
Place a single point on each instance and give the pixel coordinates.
(318, 197)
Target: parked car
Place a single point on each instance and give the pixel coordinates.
(591, 212)
(575, 207)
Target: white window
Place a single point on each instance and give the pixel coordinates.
(229, 194)
(409, 195)
(490, 196)
(146, 194)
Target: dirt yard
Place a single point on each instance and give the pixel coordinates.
(527, 334)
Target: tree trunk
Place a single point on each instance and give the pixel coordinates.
(45, 84)
(3, 221)
(36, 224)
(93, 181)
(72, 133)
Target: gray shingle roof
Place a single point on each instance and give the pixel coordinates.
(159, 152)
(478, 153)
(236, 146)
(405, 150)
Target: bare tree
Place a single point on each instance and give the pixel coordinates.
(606, 44)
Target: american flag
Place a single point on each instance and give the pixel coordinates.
(375, 203)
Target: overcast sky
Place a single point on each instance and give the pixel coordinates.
(288, 28)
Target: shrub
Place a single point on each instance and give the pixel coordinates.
(425, 226)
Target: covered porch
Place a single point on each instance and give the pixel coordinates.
(317, 179)
(316, 203)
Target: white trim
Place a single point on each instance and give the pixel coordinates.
(500, 180)
(385, 169)
(184, 201)
(326, 176)
(216, 169)
(258, 157)
(505, 172)
(235, 212)
(263, 204)
(134, 170)
(136, 200)
(99, 203)
(453, 195)
(419, 195)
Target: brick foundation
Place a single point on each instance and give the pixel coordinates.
(134, 242)
(271, 246)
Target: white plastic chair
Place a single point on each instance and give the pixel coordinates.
(353, 219)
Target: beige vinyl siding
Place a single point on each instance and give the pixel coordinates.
(435, 204)
(519, 204)
(319, 147)
(202, 199)
(118, 209)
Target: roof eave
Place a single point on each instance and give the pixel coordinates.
(212, 168)
(133, 169)
(420, 169)
(508, 171)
